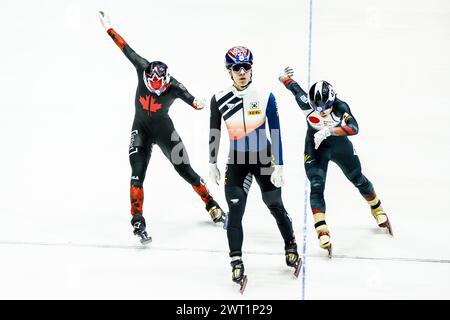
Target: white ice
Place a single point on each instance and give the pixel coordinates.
(66, 108)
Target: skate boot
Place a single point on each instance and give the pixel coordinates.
(382, 219)
(292, 258)
(215, 212)
(238, 275)
(324, 238)
(138, 223)
(322, 230)
(324, 242)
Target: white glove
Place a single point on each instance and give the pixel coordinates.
(277, 176)
(214, 173)
(287, 73)
(199, 104)
(104, 19)
(321, 135)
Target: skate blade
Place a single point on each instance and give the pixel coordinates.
(388, 227)
(146, 240)
(243, 284)
(329, 249)
(225, 221)
(298, 267)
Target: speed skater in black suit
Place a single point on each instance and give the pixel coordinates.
(330, 122)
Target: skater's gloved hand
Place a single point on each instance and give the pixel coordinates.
(277, 176)
(199, 104)
(286, 74)
(105, 20)
(321, 135)
(214, 173)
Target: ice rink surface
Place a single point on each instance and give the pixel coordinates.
(66, 110)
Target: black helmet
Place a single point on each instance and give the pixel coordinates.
(321, 96)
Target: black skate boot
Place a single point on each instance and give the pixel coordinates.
(138, 223)
(238, 275)
(293, 260)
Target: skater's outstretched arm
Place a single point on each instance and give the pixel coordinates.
(135, 59)
(300, 95)
(185, 95)
(275, 131)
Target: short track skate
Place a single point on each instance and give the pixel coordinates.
(238, 275)
(388, 227)
(382, 220)
(293, 260)
(324, 238)
(225, 220)
(218, 216)
(139, 230)
(297, 267)
(145, 238)
(243, 284)
(330, 251)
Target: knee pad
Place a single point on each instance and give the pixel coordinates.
(236, 199)
(235, 196)
(317, 184)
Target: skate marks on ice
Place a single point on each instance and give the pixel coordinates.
(397, 259)
(158, 248)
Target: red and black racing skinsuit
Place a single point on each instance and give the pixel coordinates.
(152, 125)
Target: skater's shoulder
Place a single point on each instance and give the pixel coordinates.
(174, 81)
(260, 92)
(222, 93)
(260, 89)
(340, 105)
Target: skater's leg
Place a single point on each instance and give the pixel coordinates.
(140, 151)
(271, 196)
(237, 184)
(347, 159)
(139, 155)
(236, 199)
(316, 165)
(173, 148)
(139, 162)
(274, 202)
(367, 191)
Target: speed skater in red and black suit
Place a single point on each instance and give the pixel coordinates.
(156, 91)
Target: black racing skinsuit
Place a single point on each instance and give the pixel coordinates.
(337, 148)
(152, 125)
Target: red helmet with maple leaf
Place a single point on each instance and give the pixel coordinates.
(157, 77)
